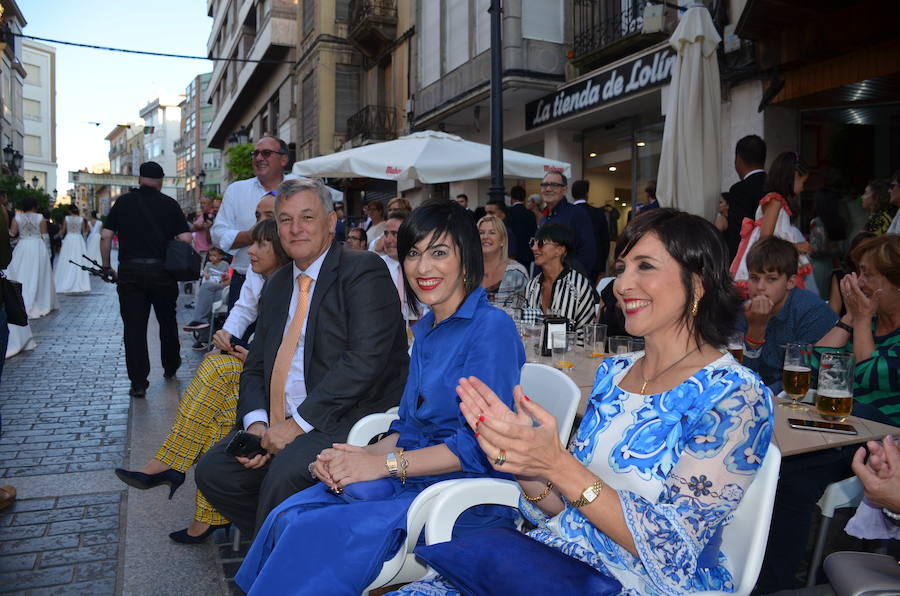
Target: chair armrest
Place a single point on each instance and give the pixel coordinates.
(368, 427)
(453, 500)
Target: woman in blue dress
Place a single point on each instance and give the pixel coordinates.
(671, 438)
(340, 531)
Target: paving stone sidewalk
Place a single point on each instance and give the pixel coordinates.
(66, 417)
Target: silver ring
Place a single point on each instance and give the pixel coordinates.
(501, 458)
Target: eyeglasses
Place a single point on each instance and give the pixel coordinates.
(551, 185)
(265, 153)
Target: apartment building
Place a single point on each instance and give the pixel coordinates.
(39, 114)
(195, 162)
(12, 75)
(162, 128)
(126, 151)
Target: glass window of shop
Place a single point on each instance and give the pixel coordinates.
(620, 161)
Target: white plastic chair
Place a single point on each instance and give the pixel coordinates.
(844, 493)
(553, 390)
(743, 540)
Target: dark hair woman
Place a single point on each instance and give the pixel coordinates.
(876, 199)
(784, 181)
(835, 300)
(559, 289)
(360, 507)
(671, 437)
(207, 409)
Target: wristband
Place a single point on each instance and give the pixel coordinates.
(752, 341)
(842, 325)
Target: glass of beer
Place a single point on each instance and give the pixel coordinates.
(736, 347)
(595, 340)
(834, 394)
(797, 373)
(560, 347)
(619, 344)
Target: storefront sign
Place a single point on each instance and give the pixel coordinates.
(640, 74)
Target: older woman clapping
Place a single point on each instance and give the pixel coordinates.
(671, 438)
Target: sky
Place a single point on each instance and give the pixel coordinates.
(111, 87)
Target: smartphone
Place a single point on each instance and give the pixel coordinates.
(826, 427)
(244, 444)
(237, 341)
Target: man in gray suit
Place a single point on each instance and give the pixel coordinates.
(330, 347)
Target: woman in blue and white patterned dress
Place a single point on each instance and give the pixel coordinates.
(671, 438)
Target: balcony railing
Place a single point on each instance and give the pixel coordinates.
(373, 25)
(373, 122)
(602, 24)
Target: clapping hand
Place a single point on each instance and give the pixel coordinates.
(859, 306)
(880, 475)
(530, 451)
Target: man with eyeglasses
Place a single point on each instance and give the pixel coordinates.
(236, 217)
(560, 211)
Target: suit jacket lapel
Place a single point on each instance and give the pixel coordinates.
(327, 276)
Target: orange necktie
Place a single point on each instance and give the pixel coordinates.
(286, 354)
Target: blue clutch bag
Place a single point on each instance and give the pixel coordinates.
(502, 561)
(370, 490)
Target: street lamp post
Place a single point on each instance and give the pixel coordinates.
(34, 182)
(243, 135)
(496, 190)
(201, 178)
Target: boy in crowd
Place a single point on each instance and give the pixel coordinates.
(214, 278)
(777, 312)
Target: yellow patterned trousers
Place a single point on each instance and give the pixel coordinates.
(205, 415)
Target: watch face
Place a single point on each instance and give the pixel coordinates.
(590, 494)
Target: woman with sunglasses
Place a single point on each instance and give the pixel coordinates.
(784, 181)
(559, 289)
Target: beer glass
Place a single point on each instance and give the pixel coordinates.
(595, 340)
(736, 347)
(619, 344)
(797, 373)
(560, 346)
(834, 394)
(637, 344)
(532, 340)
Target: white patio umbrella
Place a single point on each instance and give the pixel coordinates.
(689, 175)
(428, 156)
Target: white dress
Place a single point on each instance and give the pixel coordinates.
(69, 278)
(93, 241)
(20, 338)
(30, 266)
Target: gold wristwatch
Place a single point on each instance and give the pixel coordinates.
(589, 495)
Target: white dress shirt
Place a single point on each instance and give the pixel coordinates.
(295, 392)
(393, 266)
(895, 225)
(238, 214)
(374, 233)
(244, 310)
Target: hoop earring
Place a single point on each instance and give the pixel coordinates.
(695, 306)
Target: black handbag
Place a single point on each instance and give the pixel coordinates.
(13, 302)
(182, 262)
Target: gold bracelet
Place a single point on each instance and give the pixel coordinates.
(403, 464)
(541, 496)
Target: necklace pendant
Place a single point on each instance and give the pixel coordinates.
(644, 386)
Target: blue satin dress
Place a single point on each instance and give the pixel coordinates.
(318, 542)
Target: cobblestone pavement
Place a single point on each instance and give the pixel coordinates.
(66, 411)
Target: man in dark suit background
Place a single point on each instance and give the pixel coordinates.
(744, 196)
(580, 189)
(521, 221)
(350, 361)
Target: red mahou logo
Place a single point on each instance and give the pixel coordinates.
(392, 170)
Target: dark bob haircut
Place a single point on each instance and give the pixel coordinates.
(439, 217)
(697, 247)
(267, 231)
(558, 234)
(29, 204)
(780, 177)
(73, 209)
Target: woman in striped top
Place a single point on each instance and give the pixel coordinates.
(559, 289)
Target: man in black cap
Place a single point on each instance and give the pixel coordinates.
(146, 220)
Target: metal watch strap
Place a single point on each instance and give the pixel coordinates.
(589, 495)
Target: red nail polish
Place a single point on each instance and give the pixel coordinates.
(481, 419)
(526, 398)
(476, 435)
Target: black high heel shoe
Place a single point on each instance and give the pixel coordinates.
(173, 478)
(182, 537)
